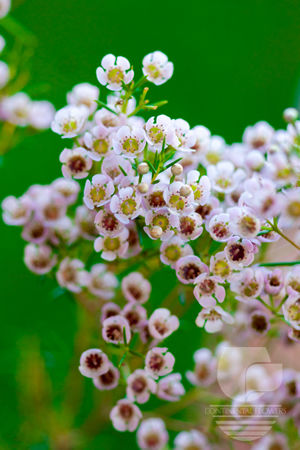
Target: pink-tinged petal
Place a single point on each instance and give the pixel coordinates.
(168, 70)
(123, 219)
(114, 87)
(81, 175)
(87, 187)
(114, 204)
(101, 76)
(66, 172)
(220, 293)
(100, 131)
(167, 235)
(148, 233)
(108, 256)
(147, 60)
(207, 302)
(88, 202)
(88, 139)
(123, 63)
(128, 77)
(98, 244)
(123, 132)
(213, 326)
(200, 320)
(65, 154)
(99, 179)
(108, 61)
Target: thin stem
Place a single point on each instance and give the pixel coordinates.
(284, 263)
(278, 231)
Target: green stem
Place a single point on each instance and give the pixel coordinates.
(278, 231)
(284, 263)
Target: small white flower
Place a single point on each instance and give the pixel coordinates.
(157, 131)
(102, 282)
(111, 247)
(107, 224)
(98, 192)
(224, 177)
(41, 114)
(170, 388)
(139, 386)
(39, 259)
(152, 435)
(69, 121)
(35, 231)
(113, 72)
(93, 363)
(190, 226)
(16, 109)
(219, 266)
(135, 315)
(176, 203)
(109, 309)
(186, 138)
(17, 211)
(258, 136)
(69, 189)
(154, 198)
(191, 440)
(113, 328)
(159, 362)
(4, 7)
(126, 205)
(212, 319)
(201, 186)
(50, 206)
(108, 380)
(125, 416)
(71, 275)
(161, 218)
(189, 268)
(239, 252)
(162, 324)
(136, 288)
(249, 284)
(129, 142)
(208, 290)
(76, 163)
(4, 74)
(219, 227)
(292, 280)
(243, 222)
(173, 250)
(84, 94)
(205, 371)
(291, 310)
(157, 67)
(111, 167)
(99, 142)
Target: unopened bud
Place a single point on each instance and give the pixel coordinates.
(185, 190)
(143, 188)
(156, 232)
(290, 115)
(143, 168)
(177, 169)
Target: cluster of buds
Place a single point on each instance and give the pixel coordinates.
(160, 192)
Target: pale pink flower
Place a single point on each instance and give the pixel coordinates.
(259, 322)
(152, 435)
(84, 219)
(108, 380)
(76, 163)
(93, 363)
(111, 167)
(212, 319)
(112, 247)
(162, 324)
(110, 120)
(125, 416)
(68, 189)
(114, 71)
(136, 288)
(239, 252)
(84, 94)
(292, 280)
(223, 176)
(102, 282)
(157, 68)
(41, 114)
(215, 151)
(164, 219)
(219, 266)
(170, 388)
(258, 136)
(71, 275)
(139, 386)
(98, 142)
(173, 250)
(218, 227)
(210, 209)
(243, 222)
(134, 245)
(64, 231)
(39, 259)
(113, 329)
(291, 212)
(17, 211)
(262, 197)
(107, 224)
(126, 205)
(35, 231)
(201, 186)
(69, 121)
(205, 370)
(189, 227)
(186, 138)
(273, 281)
(98, 192)
(202, 140)
(4, 8)
(248, 285)
(129, 142)
(176, 203)
(291, 310)
(208, 290)
(109, 309)
(16, 109)
(159, 362)
(189, 268)
(50, 206)
(135, 315)
(154, 198)
(191, 440)
(158, 130)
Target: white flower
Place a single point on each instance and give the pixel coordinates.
(4, 74)
(17, 211)
(219, 227)
(84, 94)
(102, 282)
(205, 371)
(76, 163)
(190, 226)
(4, 8)
(224, 177)
(108, 380)
(262, 197)
(41, 114)
(112, 247)
(152, 435)
(219, 266)
(170, 388)
(291, 213)
(109, 309)
(239, 252)
(162, 324)
(212, 319)
(207, 290)
(291, 310)
(161, 218)
(194, 439)
(113, 72)
(39, 259)
(292, 280)
(51, 206)
(64, 230)
(186, 138)
(35, 231)
(125, 416)
(135, 315)
(154, 198)
(157, 67)
(139, 386)
(69, 189)
(159, 362)
(107, 224)
(71, 275)
(126, 205)
(136, 288)
(99, 142)
(176, 203)
(84, 219)
(98, 192)
(243, 222)
(255, 160)
(69, 121)
(16, 109)
(173, 250)
(113, 329)
(111, 167)
(189, 268)
(93, 363)
(201, 186)
(248, 285)
(157, 131)
(258, 136)
(129, 142)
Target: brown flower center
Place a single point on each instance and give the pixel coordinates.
(93, 361)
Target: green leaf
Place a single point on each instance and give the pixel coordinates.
(124, 336)
(155, 182)
(150, 165)
(123, 171)
(133, 340)
(133, 352)
(122, 359)
(172, 163)
(105, 106)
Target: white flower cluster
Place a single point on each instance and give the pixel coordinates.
(203, 207)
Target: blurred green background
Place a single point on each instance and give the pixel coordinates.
(235, 63)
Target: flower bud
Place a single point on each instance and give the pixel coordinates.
(177, 169)
(143, 188)
(185, 190)
(290, 115)
(156, 232)
(143, 168)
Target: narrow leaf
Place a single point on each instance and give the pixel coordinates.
(123, 171)
(124, 336)
(105, 106)
(122, 359)
(150, 165)
(172, 163)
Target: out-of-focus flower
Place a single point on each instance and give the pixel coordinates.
(76, 163)
(170, 388)
(249, 284)
(125, 416)
(41, 114)
(159, 362)
(136, 288)
(17, 211)
(39, 259)
(93, 363)
(194, 439)
(108, 380)
(71, 275)
(259, 322)
(135, 314)
(162, 324)
(113, 328)
(16, 109)
(139, 386)
(102, 282)
(69, 121)
(4, 74)
(84, 94)
(223, 176)
(205, 371)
